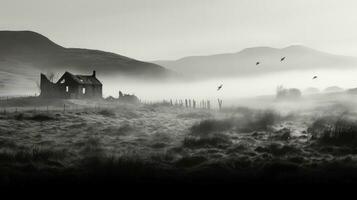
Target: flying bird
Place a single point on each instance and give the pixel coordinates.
(257, 63)
(315, 77)
(282, 59)
(219, 87)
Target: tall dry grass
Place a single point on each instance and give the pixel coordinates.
(334, 130)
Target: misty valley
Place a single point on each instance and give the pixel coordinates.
(71, 116)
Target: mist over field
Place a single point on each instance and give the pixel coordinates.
(233, 88)
(240, 87)
(195, 77)
(116, 93)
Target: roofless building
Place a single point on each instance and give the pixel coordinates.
(71, 86)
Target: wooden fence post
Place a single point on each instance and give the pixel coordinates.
(219, 103)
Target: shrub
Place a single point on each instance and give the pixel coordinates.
(334, 130)
(211, 126)
(107, 113)
(251, 121)
(208, 133)
(41, 117)
(259, 120)
(262, 120)
(19, 116)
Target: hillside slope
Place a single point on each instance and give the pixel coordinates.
(243, 63)
(23, 51)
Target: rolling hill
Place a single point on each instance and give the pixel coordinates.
(23, 51)
(26, 54)
(243, 63)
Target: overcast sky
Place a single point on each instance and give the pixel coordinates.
(170, 29)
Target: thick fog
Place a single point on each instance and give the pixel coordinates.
(232, 87)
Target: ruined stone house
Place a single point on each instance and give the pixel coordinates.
(71, 86)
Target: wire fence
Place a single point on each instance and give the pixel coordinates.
(190, 103)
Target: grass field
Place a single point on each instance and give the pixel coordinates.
(289, 142)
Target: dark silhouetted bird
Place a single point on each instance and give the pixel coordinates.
(282, 59)
(315, 77)
(219, 87)
(257, 63)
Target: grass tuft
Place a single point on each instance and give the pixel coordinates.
(334, 130)
(107, 113)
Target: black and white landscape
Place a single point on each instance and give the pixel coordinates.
(183, 92)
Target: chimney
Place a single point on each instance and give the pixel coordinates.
(93, 73)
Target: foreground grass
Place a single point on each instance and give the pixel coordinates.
(335, 130)
(25, 169)
(232, 147)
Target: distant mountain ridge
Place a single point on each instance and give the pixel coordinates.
(243, 63)
(27, 49)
